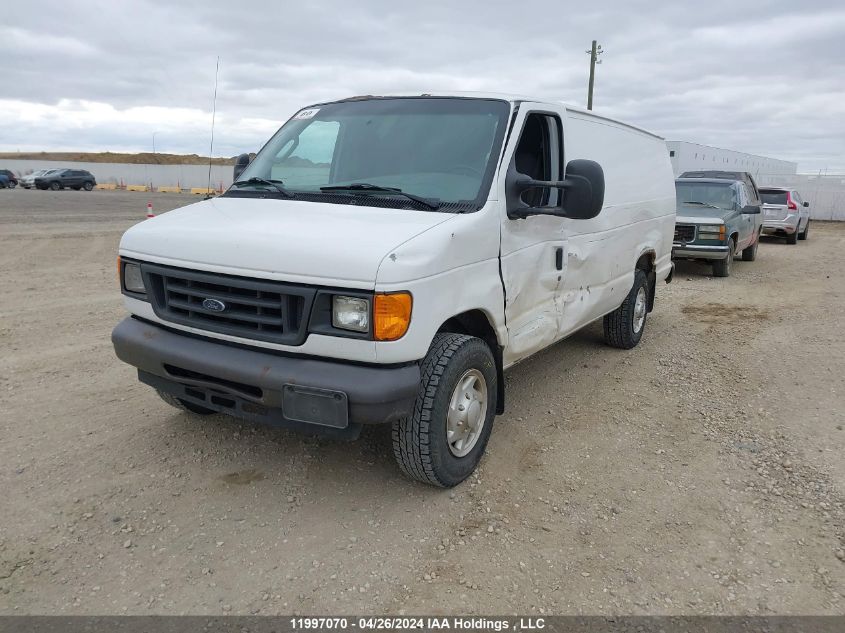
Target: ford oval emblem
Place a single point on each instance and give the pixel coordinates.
(214, 305)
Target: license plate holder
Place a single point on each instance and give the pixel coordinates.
(313, 405)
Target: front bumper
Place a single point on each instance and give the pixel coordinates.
(696, 251)
(328, 396)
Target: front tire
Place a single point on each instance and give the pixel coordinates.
(623, 328)
(804, 233)
(722, 267)
(749, 254)
(442, 441)
(184, 405)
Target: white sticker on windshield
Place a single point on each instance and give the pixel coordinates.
(306, 114)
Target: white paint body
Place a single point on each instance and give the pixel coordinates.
(450, 263)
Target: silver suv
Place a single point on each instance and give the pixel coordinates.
(785, 214)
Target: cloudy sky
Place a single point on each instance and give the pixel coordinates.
(765, 77)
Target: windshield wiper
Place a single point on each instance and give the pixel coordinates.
(278, 185)
(365, 186)
(703, 204)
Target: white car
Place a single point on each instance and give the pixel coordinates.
(785, 214)
(28, 181)
(386, 259)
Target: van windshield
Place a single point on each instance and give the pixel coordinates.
(705, 194)
(442, 149)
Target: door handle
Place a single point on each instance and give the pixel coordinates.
(559, 258)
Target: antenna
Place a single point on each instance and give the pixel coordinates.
(213, 116)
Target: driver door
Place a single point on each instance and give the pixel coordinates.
(533, 250)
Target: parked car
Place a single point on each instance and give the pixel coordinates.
(61, 178)
(785, 214)
(717, 219)
(11, 179)
(4, 182)
(28, 181)
(391, 257)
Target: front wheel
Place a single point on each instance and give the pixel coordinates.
(623, 328)
(88, 186)
(722, 267)
(442, 441)
(749, 254)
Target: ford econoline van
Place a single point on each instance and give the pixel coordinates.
(384, 260)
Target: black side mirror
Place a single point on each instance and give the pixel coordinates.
(806, 204)
(241, 163)
(584, 197)
(750, 209)
(583, 192)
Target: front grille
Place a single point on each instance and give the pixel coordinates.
(254, 308)
(684, 232)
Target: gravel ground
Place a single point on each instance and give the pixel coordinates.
(699, 473)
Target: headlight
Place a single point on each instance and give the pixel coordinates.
(713, 232)
(351, 313)
(132, 279)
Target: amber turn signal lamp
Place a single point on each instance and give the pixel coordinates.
(391, 315)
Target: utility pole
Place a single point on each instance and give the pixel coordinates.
(594, 59)
(154, 141)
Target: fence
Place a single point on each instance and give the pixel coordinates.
(155, 176)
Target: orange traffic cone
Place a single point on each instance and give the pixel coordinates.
(150, 213)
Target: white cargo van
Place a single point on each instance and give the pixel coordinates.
(386, 259)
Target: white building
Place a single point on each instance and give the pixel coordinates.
(692, 156)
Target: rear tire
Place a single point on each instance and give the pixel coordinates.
(55, 186)
(623, 328)
(440, 443)
(806, 230)
(793, 238)
(749, 254)
(184, 405)
(722, 267)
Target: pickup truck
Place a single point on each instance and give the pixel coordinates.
(385, 259)
(717, 218)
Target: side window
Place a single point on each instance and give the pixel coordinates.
(307, 160)
(750, 198)
(538, 155)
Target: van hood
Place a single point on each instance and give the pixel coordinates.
(307, 242)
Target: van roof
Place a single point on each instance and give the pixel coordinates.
(501, 96)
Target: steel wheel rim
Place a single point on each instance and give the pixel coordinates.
(640, 309)
(467, 413)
